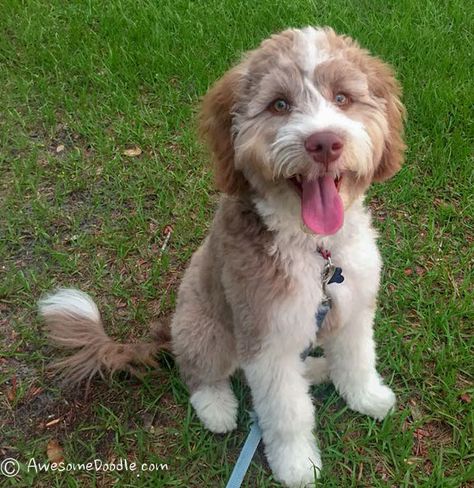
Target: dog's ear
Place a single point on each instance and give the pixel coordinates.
(383, 84)
(215, 124)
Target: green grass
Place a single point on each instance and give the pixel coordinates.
(99, 77)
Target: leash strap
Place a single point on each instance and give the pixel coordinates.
(246, 455)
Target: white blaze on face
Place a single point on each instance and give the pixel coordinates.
(314, 48)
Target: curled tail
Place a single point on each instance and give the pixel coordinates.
(73, 322)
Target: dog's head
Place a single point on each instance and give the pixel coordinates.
(308, 113)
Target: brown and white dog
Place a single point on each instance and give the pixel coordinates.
(298, 130)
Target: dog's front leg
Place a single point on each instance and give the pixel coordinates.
(350, 354)
(285, 414)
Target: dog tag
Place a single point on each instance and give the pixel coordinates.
(331, 273)
(336, 276)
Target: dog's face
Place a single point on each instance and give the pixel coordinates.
(311, 115)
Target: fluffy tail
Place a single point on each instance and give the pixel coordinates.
(73, 322)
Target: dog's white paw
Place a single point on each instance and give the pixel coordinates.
(216, 407)
(377, 401)
(296, 463)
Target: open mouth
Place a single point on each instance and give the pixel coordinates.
(322, 209)
(298, 179)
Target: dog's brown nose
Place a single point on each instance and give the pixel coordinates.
(324, 147)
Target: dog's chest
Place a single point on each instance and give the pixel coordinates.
(295, 317)
(305, 269)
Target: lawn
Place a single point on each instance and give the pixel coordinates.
(82, 83)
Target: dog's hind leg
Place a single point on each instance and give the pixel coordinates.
(204, 348)
(206, 361)
(216, 406)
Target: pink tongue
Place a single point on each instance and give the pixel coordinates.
(321, 206)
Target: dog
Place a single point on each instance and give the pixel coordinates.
(297, 131)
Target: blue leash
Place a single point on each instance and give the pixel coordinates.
(246, 455)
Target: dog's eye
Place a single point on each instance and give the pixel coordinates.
(341, 99)
(280, 106)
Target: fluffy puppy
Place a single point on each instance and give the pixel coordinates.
(298, 130)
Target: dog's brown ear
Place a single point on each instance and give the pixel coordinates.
(383, 84)
(215, 124)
